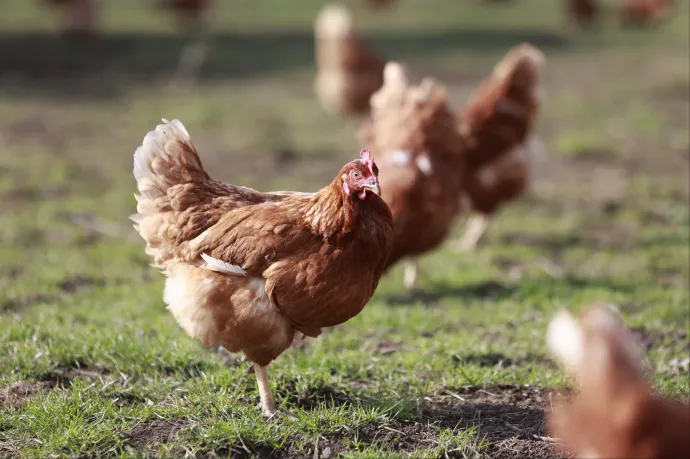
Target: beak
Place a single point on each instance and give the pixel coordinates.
(374, 187)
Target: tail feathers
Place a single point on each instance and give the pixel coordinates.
(514, 85)
(598, 344)
(524, 56)
(166, 158)
(565, 339)
(334, 21)
(501, 113)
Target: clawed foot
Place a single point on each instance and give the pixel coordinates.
(273, 413)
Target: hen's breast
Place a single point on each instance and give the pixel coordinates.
(331, 285)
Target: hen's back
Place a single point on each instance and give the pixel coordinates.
(177, 199)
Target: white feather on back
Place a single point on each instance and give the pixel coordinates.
(213, 264)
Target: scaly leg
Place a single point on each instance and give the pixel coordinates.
(299, 342)
(268, 406)
(476, 226)
(411, 274)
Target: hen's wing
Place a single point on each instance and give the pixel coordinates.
(253, 237)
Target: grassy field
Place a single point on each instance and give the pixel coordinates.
(91, 363)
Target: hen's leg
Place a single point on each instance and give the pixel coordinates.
(268, 406)
(299, 342)
(410, 274)
(476, 226)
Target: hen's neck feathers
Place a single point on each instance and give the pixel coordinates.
(329, 212)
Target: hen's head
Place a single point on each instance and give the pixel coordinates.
(360, 178)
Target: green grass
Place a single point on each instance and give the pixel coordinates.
(91, 363)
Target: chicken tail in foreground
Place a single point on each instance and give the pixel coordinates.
(497, 125)
(614, 415)
(347, 72)
(166, 159)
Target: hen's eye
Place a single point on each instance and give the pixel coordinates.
(355, 175)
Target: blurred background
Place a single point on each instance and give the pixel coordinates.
(607, 214)
(73, 108)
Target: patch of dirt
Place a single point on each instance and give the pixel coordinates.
(18, 304)
(18, 392)
(144, 436)
(603, 237)
(63, 375)
(6, 451)
(510, 417)
(26, 194)
(79, 284)
(492, 359)
(484, 290)
(650, 339)
(312, 397)
(190, 369)
(70, 286)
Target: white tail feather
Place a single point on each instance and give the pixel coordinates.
(334, 20)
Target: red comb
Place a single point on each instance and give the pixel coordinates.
(367, 159)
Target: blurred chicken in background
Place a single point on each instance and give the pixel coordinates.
(378, 3)
(78, 17)
(348, 72)
(644, 12)
(583, 12)
(191, 15)
(496, 126)
(413, 133)
(615, 415)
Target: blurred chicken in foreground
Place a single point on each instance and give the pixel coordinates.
(413, 133)
(496, 126)
(78, 16)
(248, 270)
(644, 12)
(614, 415)
(347, 72)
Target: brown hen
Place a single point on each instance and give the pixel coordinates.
(583, 12)
(615, 414)
(644, 12)
(413, 133)
(248, 270)
(376, 4)
(347, 71)
(496, 126)
(78, 16)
